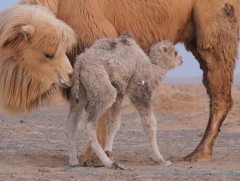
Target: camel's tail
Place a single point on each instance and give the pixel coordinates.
(76, 88)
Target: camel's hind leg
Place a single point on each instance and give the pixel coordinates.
(89, 157)
(71, 124)
(216, 50)
(217, 78)
(101, 96)
(113, 125)
(94, 110)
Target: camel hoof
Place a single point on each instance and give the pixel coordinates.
(175, 159)
(94, 162)
(198, 156)
(74, 163)
(163, 162)
(118, 166)
(167, 163)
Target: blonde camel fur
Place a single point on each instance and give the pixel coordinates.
(209, 29)
(33, 64)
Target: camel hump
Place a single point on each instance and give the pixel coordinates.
(126, 38)
(127, 35)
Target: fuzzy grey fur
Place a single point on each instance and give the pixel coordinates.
(106, 72)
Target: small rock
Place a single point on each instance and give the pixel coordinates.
(43, 170)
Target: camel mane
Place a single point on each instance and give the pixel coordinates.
(20, 91)
(22, 87)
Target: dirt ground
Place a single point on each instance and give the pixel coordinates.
(33, 146)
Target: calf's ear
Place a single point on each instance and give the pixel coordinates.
(163, 49)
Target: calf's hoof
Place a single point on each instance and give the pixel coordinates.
(118, 166)
(163, 162)
(74, 162)
(167, 163)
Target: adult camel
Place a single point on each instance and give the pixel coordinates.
(209, 29)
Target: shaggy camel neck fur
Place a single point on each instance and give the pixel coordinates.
(209, 29)
(33, 63)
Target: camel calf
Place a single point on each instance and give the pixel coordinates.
(103, 75)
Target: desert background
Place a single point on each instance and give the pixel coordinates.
(33, 146)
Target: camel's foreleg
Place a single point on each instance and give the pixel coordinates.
(141, 99)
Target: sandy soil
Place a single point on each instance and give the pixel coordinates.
(33, 146)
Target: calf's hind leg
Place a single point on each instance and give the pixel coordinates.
(95, 109)
(101, 95)
(89, 158)
(71, 124)
(113, 124)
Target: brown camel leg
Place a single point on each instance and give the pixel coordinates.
(215, 47)
(89, 158)
(217, 78)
